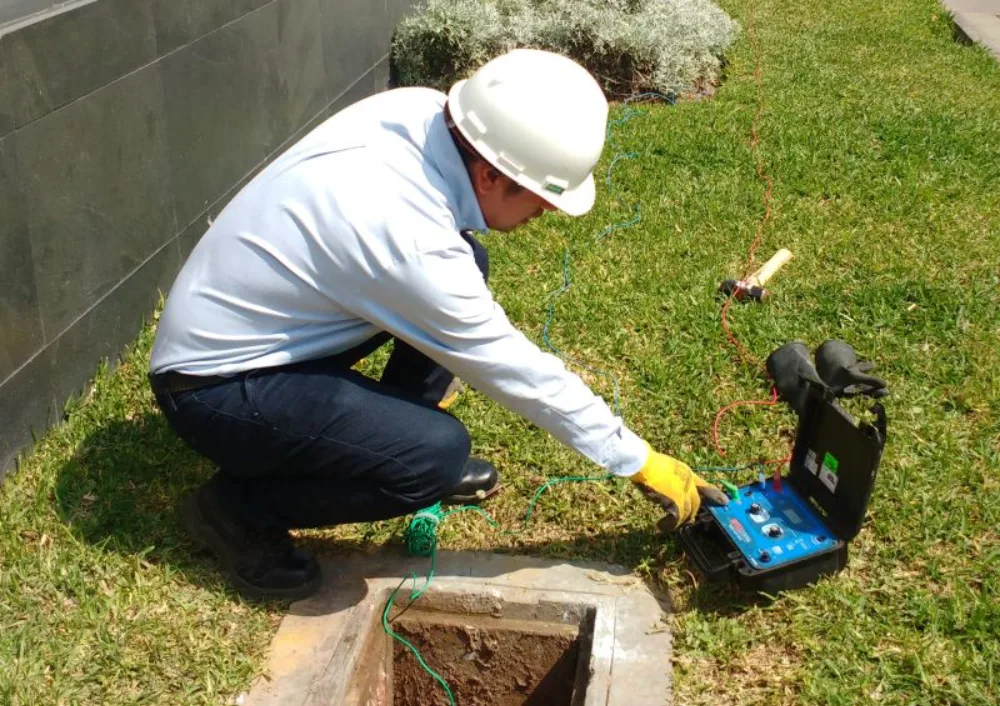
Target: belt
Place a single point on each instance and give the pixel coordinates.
(179, 382)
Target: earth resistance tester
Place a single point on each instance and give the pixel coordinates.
(785, 532)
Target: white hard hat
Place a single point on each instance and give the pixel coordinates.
(538, 117)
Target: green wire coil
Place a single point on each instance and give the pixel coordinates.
(420, 539)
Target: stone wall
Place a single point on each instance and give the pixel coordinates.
(125, 126)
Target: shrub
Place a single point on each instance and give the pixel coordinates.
(631, 46)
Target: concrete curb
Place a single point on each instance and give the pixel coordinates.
(314, 657)
(978, 21)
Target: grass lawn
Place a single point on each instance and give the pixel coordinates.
(883, 138)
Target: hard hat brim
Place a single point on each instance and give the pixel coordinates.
(573, 202)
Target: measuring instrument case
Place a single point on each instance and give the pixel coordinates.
(780, 536)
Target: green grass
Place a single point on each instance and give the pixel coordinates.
(883, 137)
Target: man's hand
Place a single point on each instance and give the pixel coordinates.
(673, 484)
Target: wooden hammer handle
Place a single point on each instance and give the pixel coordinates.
(777, 261)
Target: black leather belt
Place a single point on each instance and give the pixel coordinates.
(179, 382)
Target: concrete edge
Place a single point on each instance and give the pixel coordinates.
(980, 28)
(313, 653)
(39, 15)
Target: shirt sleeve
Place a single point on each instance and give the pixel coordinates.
(438, 302)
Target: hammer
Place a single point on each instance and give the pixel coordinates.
(752, 288)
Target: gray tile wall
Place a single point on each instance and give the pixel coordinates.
(6, 103)
(125, 127)
(60, 59)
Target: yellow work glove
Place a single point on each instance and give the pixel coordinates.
(673, 484)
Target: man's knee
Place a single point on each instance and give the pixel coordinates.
(439, 461)
(448, 444)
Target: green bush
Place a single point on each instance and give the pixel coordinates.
(629, 45)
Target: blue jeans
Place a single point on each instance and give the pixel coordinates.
(316, 443)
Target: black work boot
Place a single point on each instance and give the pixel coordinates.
(261, 564)
(479, 481)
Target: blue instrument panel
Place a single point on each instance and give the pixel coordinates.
(772, 527)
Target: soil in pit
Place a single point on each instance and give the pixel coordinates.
(486, 662)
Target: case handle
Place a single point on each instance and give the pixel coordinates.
(713, 571)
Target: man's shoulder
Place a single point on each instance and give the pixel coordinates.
(417, 94)
(394, 105)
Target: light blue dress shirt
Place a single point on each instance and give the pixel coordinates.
(355, 230)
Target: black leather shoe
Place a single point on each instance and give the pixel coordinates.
(479, 481)
(261, 564)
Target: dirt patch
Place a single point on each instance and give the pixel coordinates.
(486, 662)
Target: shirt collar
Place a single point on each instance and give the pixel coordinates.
(443, 154)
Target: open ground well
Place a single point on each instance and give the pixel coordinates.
(500, 630)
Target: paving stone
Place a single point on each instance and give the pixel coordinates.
(985, 6)
(978, 21)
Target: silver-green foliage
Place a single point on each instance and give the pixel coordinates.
(629, 45)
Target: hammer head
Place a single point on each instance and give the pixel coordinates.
(743, 291)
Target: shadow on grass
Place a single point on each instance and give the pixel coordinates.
(695, 593)
(627, 548)
(121, 488)
(691, 592)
